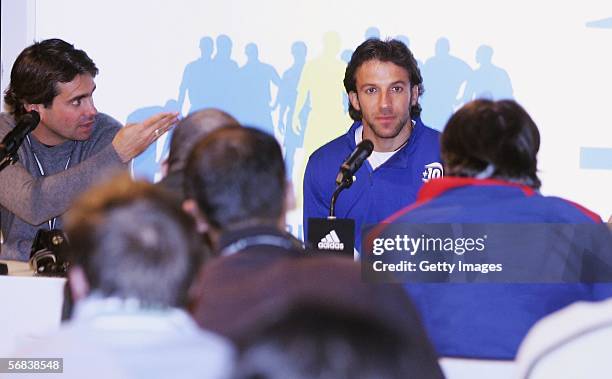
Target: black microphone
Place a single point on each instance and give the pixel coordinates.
(354, 161)
(14, 138)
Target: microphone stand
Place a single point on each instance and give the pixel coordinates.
(347, 181)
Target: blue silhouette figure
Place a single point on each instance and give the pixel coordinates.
(372, 32)
(594, 157)
(287, 96)
(196, 78)
(443, 76)
(224, 85)
(147, 165)
(345, 56)
(255, 78)
(605, 23)
(487, 81)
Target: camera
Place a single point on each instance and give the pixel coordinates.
(48, 254)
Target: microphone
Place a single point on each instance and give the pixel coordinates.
(14, 138)
(354, 161)
(337, 235)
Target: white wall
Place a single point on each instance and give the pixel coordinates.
(558, 66)
(18, 30)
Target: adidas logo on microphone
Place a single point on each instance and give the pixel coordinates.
(330, 242)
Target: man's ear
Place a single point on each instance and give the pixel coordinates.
(77, 281)
(191, 207)
(354, 99)
(32, 107)
(414, 95)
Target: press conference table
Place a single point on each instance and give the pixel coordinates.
(30, 306)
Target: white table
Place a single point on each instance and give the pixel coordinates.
(29, 306)
(456, 368)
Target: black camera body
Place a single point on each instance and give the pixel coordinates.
(48, 255)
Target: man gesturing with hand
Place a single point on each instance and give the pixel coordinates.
(72, 146)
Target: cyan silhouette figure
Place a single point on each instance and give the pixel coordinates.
(147, 165)
(287, 96)
(255, 102)
(224, 85)
(196, 79)
(487, 81)
(443, 76)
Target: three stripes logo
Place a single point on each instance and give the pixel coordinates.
(330, 242)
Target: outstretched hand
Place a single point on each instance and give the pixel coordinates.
(133, 139)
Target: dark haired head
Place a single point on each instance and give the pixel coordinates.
(236, 175)
(495, 139)
(38, 70)
(392, 51)
(133, 241)
(316, 341)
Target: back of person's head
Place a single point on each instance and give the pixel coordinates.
(492, 139)
(39, 68)
(132, 241)
(392, 51)
(312, 341)
(190, 130)
(236, 175)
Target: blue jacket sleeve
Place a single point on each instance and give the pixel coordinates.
(315, 204)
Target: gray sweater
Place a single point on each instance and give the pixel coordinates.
(28, 200)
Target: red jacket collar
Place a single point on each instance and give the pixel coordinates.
(437, 187)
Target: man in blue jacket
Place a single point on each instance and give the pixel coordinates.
(383, 83)
(489, 151)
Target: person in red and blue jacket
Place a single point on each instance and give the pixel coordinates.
(489, 151)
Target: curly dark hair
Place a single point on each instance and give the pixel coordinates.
(39, 68)
(393, 51)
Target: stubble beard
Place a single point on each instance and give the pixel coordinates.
(395, 131)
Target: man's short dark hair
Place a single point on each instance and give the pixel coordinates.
(236, 175)
(316, 342)
(393, 51)
(499, 135)
(39, 68)
(133, 241)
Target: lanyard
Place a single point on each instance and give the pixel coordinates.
(51, 222)
(265, 239)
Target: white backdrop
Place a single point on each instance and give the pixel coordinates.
(556, 57)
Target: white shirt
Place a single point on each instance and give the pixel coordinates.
(378, 157)
(571, 343)
(110, 337)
